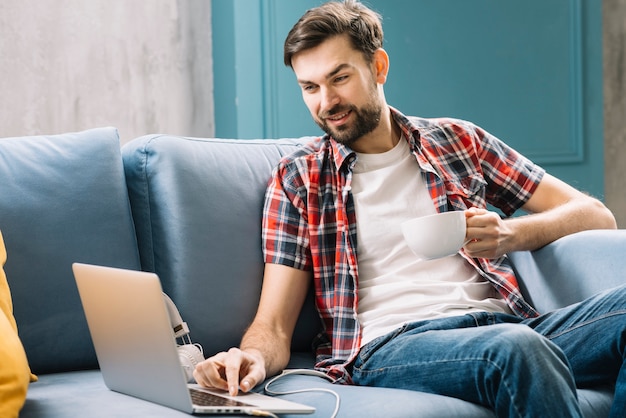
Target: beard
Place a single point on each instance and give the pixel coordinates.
(366, 119)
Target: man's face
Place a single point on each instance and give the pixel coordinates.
(340, 90)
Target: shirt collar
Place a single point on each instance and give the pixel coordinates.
(344, 154)
(412, 133)
(341, 153)
(409, 130)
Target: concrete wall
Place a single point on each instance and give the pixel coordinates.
(143, 67)
(614, 16)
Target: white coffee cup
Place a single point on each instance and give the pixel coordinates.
(435, 236)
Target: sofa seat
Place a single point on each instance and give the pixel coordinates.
(48, 398)
(87, 392)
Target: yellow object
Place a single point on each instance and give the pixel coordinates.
(14, 370)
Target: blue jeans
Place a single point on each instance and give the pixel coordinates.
(517, 367)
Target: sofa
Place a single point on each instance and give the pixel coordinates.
(189, 210)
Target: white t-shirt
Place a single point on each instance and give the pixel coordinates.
(394, 286)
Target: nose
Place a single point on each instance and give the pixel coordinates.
(329, 99)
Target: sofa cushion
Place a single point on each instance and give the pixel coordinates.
(197, 204)
(83, 394)
(63, 200)
(572, 268)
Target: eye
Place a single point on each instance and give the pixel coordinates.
(341, 78)
(309, 88)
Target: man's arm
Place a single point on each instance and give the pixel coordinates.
(265, 347)
(555, 210)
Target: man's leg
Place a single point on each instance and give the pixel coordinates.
(592, 334)
(505, 366)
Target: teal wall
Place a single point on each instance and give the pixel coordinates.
(256, 95)
(529, 72)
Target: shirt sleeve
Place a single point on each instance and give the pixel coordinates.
(511, 177)
(285, 233)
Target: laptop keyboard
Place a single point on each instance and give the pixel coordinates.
(201, 398)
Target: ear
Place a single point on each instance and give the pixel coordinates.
(381, 65)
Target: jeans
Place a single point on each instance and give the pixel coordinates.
(517, 367)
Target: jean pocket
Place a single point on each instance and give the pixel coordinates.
(371, 347)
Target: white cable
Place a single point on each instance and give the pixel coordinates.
(304, 372)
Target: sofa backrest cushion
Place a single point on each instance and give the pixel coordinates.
(63, 199)
(197, 206)
(572, 268)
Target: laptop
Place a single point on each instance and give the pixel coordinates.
(136, 349)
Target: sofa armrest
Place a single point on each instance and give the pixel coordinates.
(572, 268)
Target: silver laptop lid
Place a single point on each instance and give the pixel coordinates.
(130, 329)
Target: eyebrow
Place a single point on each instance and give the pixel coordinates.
(331, 74)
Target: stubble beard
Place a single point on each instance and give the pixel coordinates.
(366, 119)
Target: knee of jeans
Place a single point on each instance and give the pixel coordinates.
(523, 341)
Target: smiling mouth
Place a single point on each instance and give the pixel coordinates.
(338, 117)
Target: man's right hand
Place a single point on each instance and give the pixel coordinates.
(231, 371)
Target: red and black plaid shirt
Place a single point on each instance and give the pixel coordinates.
(309, 218)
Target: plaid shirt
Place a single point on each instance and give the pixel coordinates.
(309, 220)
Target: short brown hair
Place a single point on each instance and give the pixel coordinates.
(334, 18)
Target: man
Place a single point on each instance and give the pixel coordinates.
(332, 215)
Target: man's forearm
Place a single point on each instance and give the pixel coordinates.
(536, 230)
(269, 336)
(264, 341)
(489, 236)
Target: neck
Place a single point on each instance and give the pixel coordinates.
(382, 139)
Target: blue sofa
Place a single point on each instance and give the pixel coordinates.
(189, 209)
